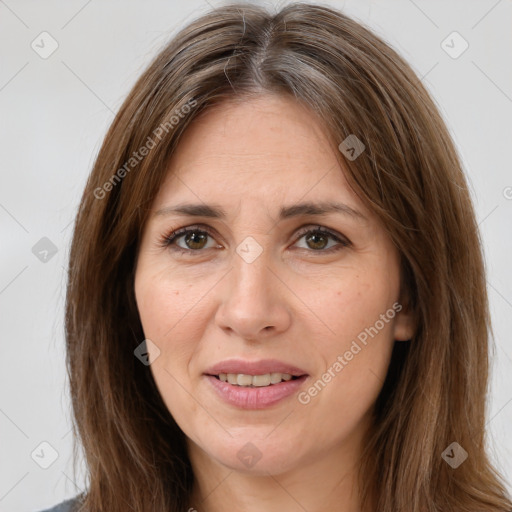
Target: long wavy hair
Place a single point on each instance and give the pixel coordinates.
(409, 175)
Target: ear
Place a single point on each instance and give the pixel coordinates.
(405, 323)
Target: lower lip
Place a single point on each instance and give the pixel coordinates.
(257, 397)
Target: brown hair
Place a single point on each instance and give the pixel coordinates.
(409, 175)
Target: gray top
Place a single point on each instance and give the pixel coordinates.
(65, 506)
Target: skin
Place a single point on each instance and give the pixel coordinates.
(297, 302)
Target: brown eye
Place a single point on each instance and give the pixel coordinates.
(188, 240)
(195, 240)
(316, 240)
(192, 240)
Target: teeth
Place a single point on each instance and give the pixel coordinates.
(261, 380)
(240, 379)
(244, 380)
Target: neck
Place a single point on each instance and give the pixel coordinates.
(326, 483)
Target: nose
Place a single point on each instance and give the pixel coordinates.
(254, 300)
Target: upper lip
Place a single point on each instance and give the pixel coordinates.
(261, 367)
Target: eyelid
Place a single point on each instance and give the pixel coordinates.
(321, 229)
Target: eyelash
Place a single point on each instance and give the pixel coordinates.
(168, 241)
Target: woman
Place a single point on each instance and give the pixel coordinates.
(276, 294)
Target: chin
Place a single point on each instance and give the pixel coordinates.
(259, 457)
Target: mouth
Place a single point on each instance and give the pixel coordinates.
(255, 381)
(256, 384)
(265, 372)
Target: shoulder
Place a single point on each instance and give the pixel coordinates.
(65, 506)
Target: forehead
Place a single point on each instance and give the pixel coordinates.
(269, 148)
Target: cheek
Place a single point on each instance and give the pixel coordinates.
(169, 320)
(163, 308)
(358, 316)
(165, 302)
(349, 303)
(347, 386)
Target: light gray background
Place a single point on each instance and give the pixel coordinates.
(54, 113)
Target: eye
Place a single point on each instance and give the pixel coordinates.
(317, 239)
(193, 239)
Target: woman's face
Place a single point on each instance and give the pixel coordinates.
(255, 292)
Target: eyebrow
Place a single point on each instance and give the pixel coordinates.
(286, 212)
